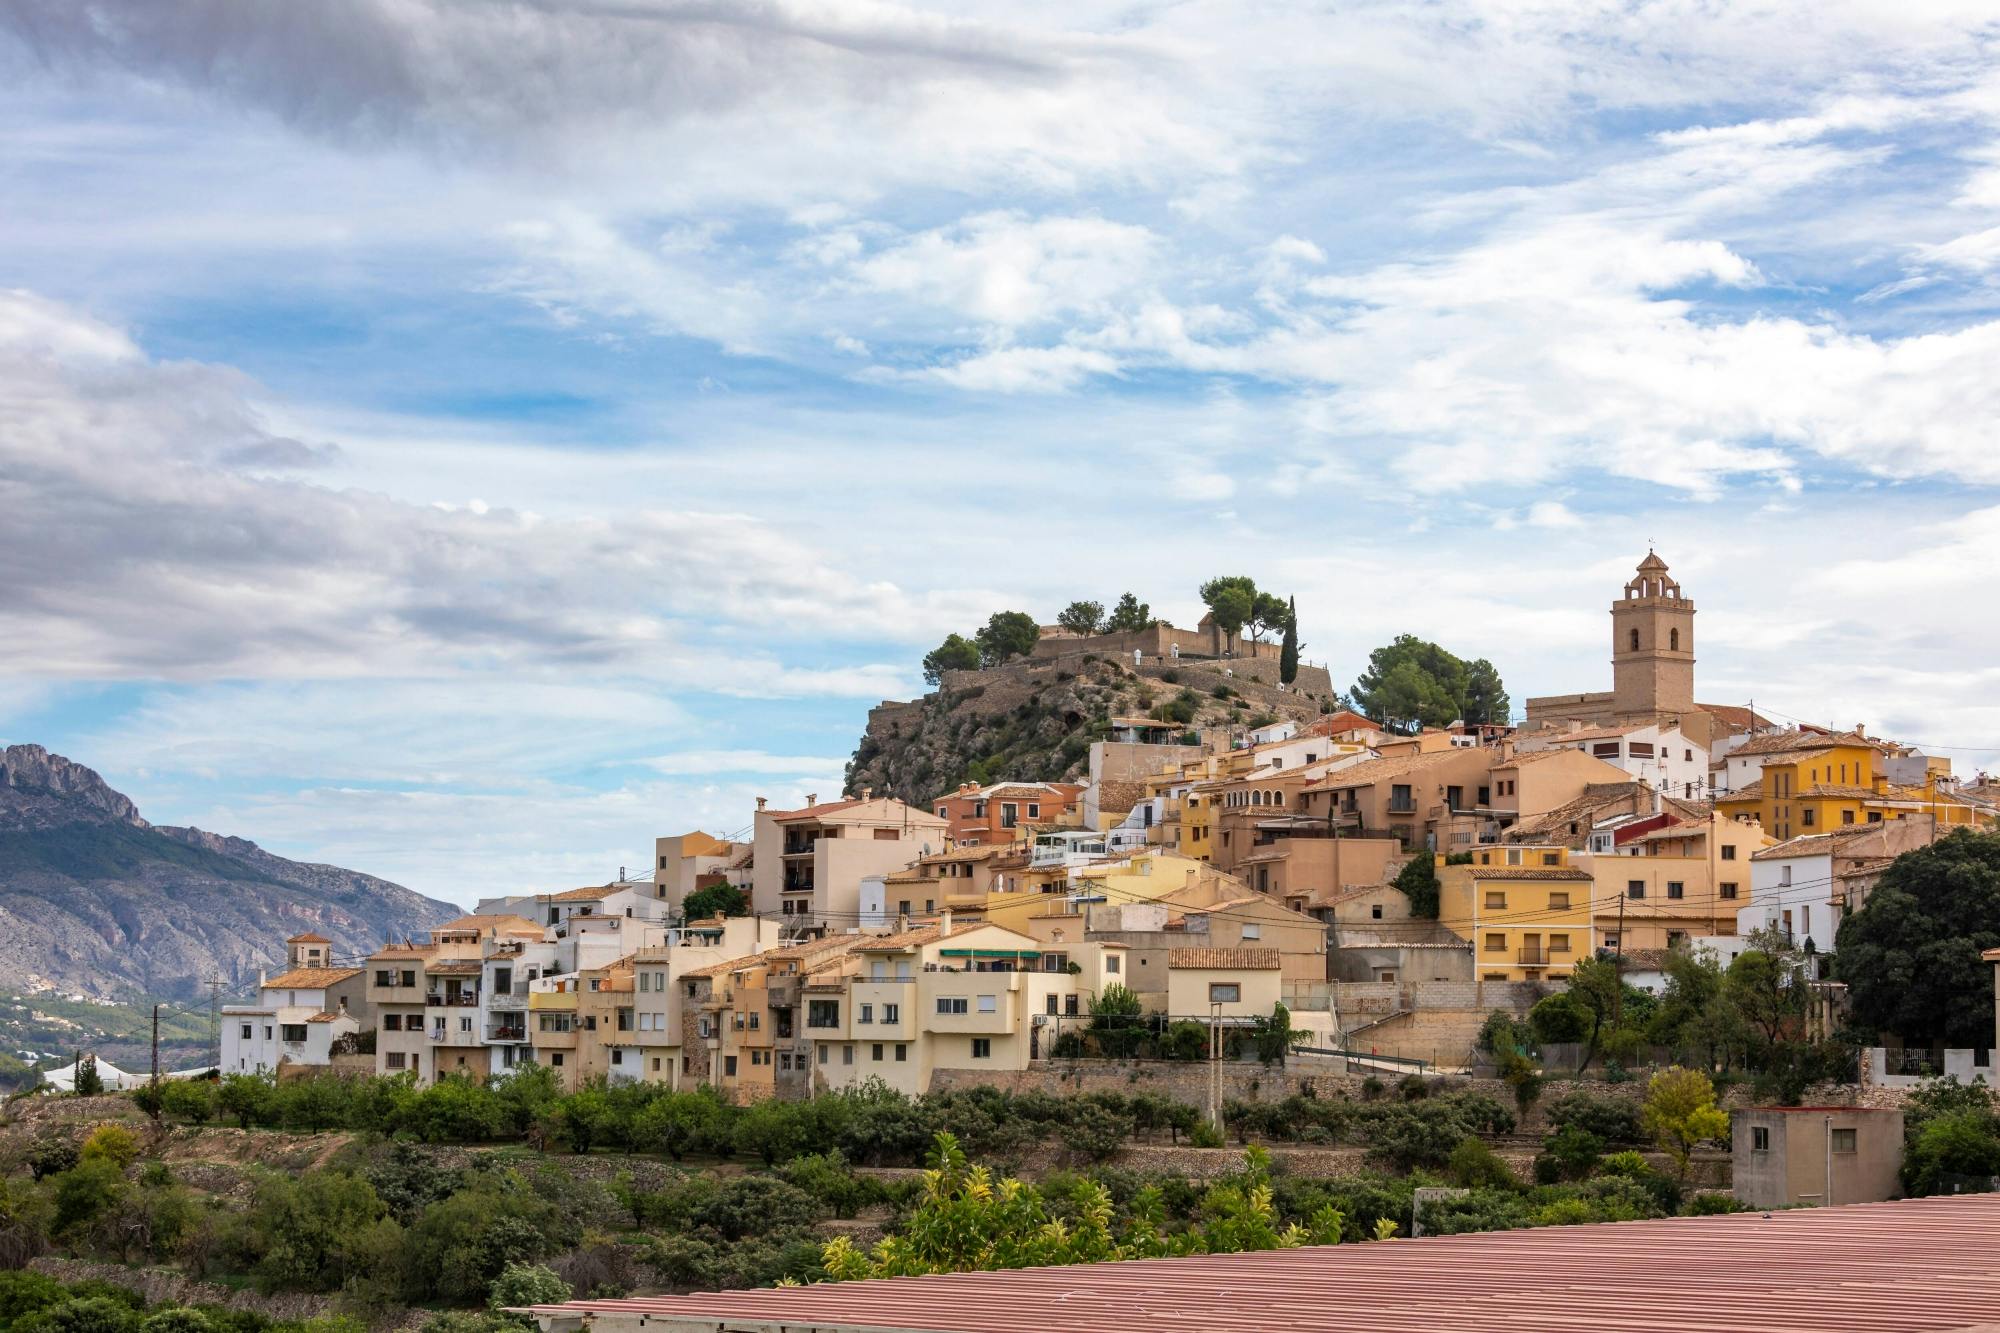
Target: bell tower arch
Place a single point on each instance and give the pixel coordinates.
(1652, 644)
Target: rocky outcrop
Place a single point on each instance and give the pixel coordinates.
(1033, 720)
(95, 900)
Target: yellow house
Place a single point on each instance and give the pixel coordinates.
(1837, 786)
(1525, 910)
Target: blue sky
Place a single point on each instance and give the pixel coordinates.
(463, 442)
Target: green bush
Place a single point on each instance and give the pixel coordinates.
(1571, 1153)
(1474, 1165)
(1612, 1119)
(1949, 1148)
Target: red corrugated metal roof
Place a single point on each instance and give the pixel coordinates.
(1914, 1266)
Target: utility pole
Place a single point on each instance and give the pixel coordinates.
(1215, 1065)
(1618, 966)
(156, 1062)
(215, 1024)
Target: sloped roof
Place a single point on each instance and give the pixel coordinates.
(594, 893)
(310, 978)
(1232, 960)
(912, 939)
(308, 938)
(500, 923)
(1372, 771)
(1528, 872)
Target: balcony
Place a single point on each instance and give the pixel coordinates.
(506, 1032)
(1396, 807)
(517, 998)
(459, 999)
(1532, 956)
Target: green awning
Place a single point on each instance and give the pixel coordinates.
(991, 953)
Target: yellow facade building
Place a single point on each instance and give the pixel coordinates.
(1525, 910)
(1840, 785)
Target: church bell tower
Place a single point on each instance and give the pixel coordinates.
(1652, 645)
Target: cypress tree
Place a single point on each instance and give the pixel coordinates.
(1288, 657)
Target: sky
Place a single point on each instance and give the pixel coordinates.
(462, 442)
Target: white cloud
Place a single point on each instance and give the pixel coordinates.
(1008, 270)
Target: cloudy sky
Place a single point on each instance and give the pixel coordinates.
(462, 441)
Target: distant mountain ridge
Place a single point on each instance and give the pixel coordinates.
(94, 899)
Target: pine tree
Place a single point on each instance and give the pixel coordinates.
(1288, 656)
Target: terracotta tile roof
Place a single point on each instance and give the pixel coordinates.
(324, 1017)
(401, 951)
(310, 978)
(1372, 771)
(1750, 792)
(912, 939)
(596, 893)
(1811, 844)
(1528, 872)
(1116, 797)
(308, 939)
(1532, 757)
(1235, 960)
(454, 967)
(725, 967)
(913, 875)
(1784, 742)
(1593, 733)
(815, 811)
(1736, 715)
(500, 923)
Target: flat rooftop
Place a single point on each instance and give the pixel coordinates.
(1912, 1266)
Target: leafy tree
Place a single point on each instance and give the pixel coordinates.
(715, 900)
(1273, 1035)
(1765, 985)
(86, 1192)
(1910, 957)
(1571, 1153)
(1485, 698)
(190, 1099)
(88, 1081)
(1418, 881)
(111, 1143)
(1558, 1018)
(1960, 1143)
(1268, 611)
(1411, 683)
(51, 1155)
(1082, 617)
(1680, 1113)
(525, 1284)
(1129, 616)
(1095, 1131)
(85, 1314)
(248, 1097)
(1006, 636)
(1288, 655)
(1115, 1021)
(312, 1230)
(1231, 602)
(956, 653)
(1597, 988)
(1473, 1165)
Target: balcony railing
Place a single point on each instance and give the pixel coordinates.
(1534, 956)
(515, 999)
(1402, 807)
(506, 1034)
(467, 998)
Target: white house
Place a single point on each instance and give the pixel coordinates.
(294, 1022)
(1661, 756)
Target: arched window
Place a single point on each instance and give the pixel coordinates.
(1256, 798)
(1635, 640)
(1674, 640)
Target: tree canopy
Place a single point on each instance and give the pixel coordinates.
(715, 900)
(1006, 636)
(1910, 957)
(1288, 655)
(1411, 684)
(956, 653)
(1231, 602)
(1129, 615)
(1082, 617)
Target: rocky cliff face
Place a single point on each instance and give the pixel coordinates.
(1034, 720)
(96, 900)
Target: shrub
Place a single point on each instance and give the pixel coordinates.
(1371, 1088)
(1956, 1144)
(177, 1319)
(524, 1284)
(189, 1099)
(111, 1143)
(83, 1314)
(1571, 1153)
(1184, 1040)
(1559, 1018)
(1474, 1166)
(51, 1155)
(1094, 1132)
(1414, 1087)
(1205, 1135)
(1611, 1119)
(757, 1205)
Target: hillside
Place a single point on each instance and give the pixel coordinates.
(1033, 719)
(96, 901)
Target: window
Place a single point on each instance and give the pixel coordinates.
(1551, 859)
(1375, 911)
(1676, 889)
(989, 1004)
(1729, 889)
(892, 1013)
(1635, 888)
(247, 1029)
(409, 978)
(1070, 1003)
(555, 1059)
(384, 977)
(1034, 810)
(1558, 902)
(464, 1025)
(1784, 875)
(982, 1048)
(1760, 1139)
(1809, 816)
(1843, 1140)
(951, 1004)
(1224, 992)
(1673, 640)
(847, 1055)
(1847, 816)
(825, 1053)
(617, 1056)
(875, 1052)
(1112, 962)
(729, 1066)
(1496, 943)
(390, 1023)
(294, 1031)
(1635, 640)
(394, 1060)
(1496, 901)
(1729, 851)
(1253, 930)
(1610, 939)
(1558, 944)
(902, 1051)
(867, 1014)
(823, 1013)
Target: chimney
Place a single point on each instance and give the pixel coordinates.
(944, 922)
(1576, 724)
(902, 922)
(761, 802)
(1860, 730)
(867, 792)
(812, 799)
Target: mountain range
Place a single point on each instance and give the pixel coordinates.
(96, 901)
